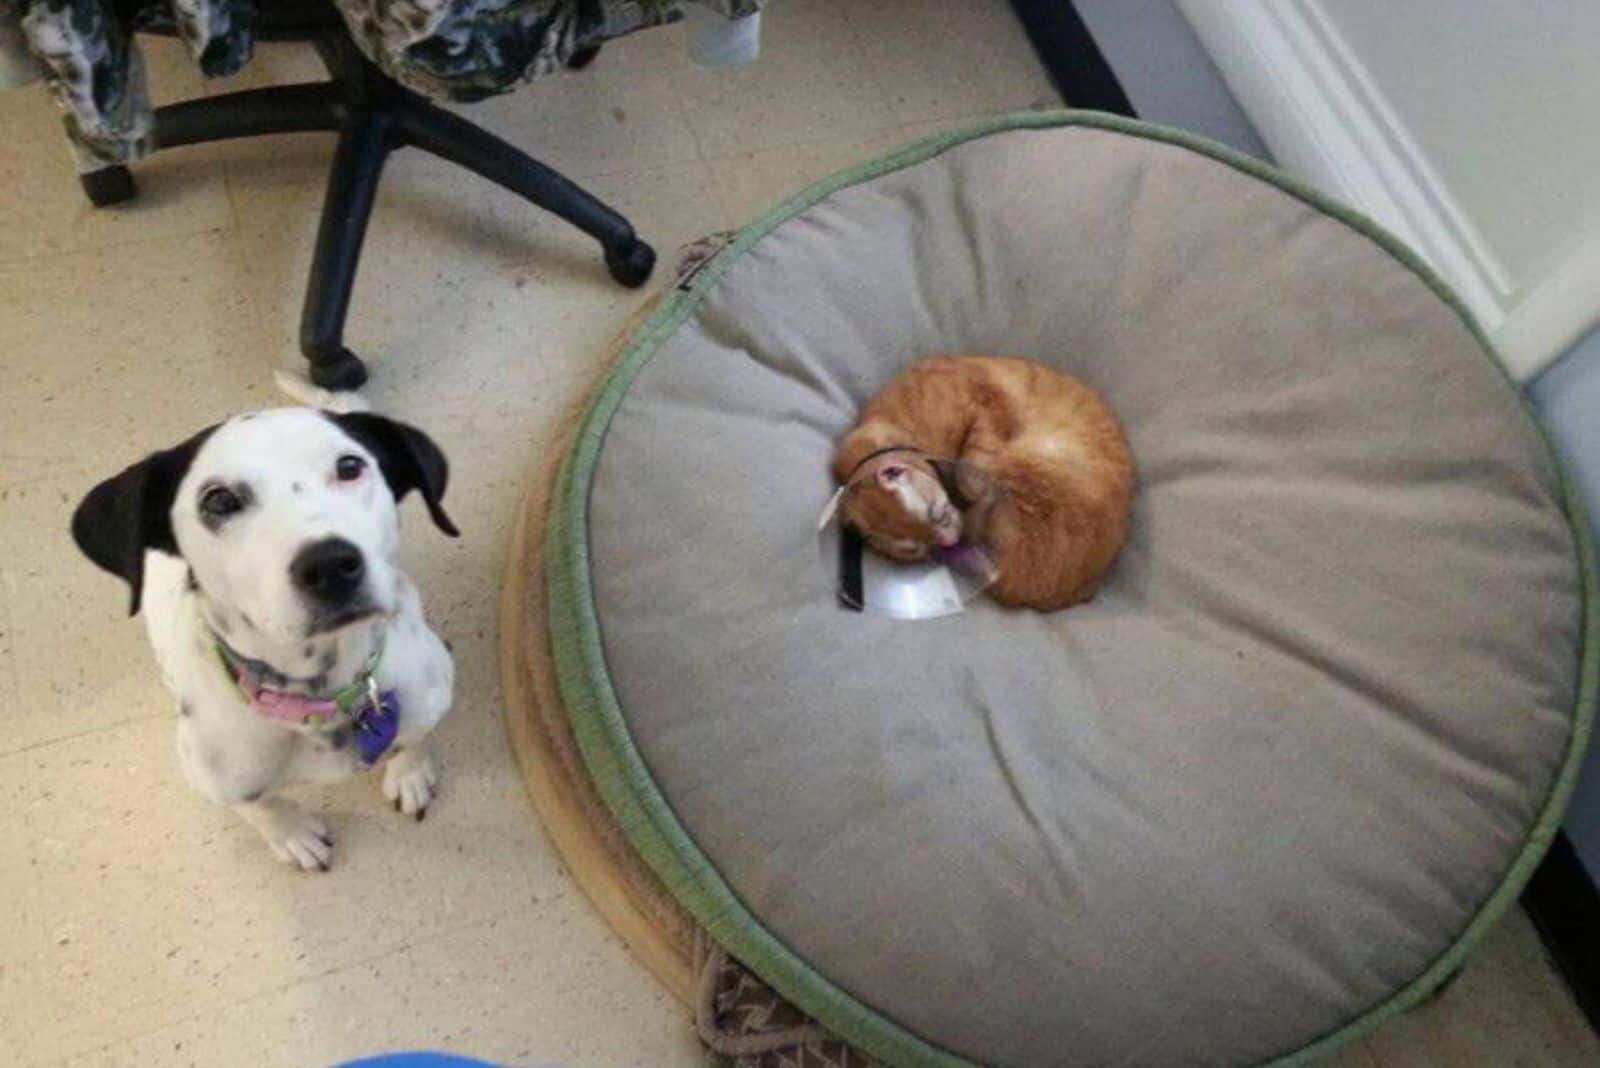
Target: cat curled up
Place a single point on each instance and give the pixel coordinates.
(1051, 477)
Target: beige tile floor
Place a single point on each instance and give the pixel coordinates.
(138, 925)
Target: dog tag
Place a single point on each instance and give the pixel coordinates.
(376, 726)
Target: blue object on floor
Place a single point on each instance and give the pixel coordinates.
(416, 1060)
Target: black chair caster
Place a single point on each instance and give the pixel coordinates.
(341, 371)
(631, 264)
(108, 186)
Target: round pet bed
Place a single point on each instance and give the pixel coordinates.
(1268, 788)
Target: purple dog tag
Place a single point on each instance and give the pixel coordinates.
(377, 725)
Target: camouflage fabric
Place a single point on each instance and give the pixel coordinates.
(452, 49)
(218, 32)
(96, 75)
(18, 64)
(470, 49)
(96, 72)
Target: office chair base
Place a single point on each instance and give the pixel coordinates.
(373, 116)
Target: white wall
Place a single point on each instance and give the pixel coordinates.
(1568, 395)
(1503, 98)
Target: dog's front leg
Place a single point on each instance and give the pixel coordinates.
(410, 778)
(295, 837)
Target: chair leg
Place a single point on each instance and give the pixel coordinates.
(373, 116)
(435, 130)
(352, 188)
(280, 109)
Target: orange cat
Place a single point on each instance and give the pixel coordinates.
(1057, 511)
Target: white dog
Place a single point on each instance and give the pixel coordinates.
(264, 553)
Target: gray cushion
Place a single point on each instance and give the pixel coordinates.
(1260, 784)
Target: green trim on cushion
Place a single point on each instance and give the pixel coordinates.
(647, 819)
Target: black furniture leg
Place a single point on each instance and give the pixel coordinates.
(284, 109)
(435, 130)
(352, 188)
(373, 115)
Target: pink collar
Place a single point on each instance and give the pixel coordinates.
(300, 709)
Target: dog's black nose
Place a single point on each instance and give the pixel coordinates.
(329, 570)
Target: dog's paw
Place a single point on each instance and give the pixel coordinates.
(302, 842)
(410, 781)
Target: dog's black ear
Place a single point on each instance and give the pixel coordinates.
(408, 458)
(132, 512)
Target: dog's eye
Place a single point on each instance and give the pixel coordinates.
(349, 468)
(219, 502)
